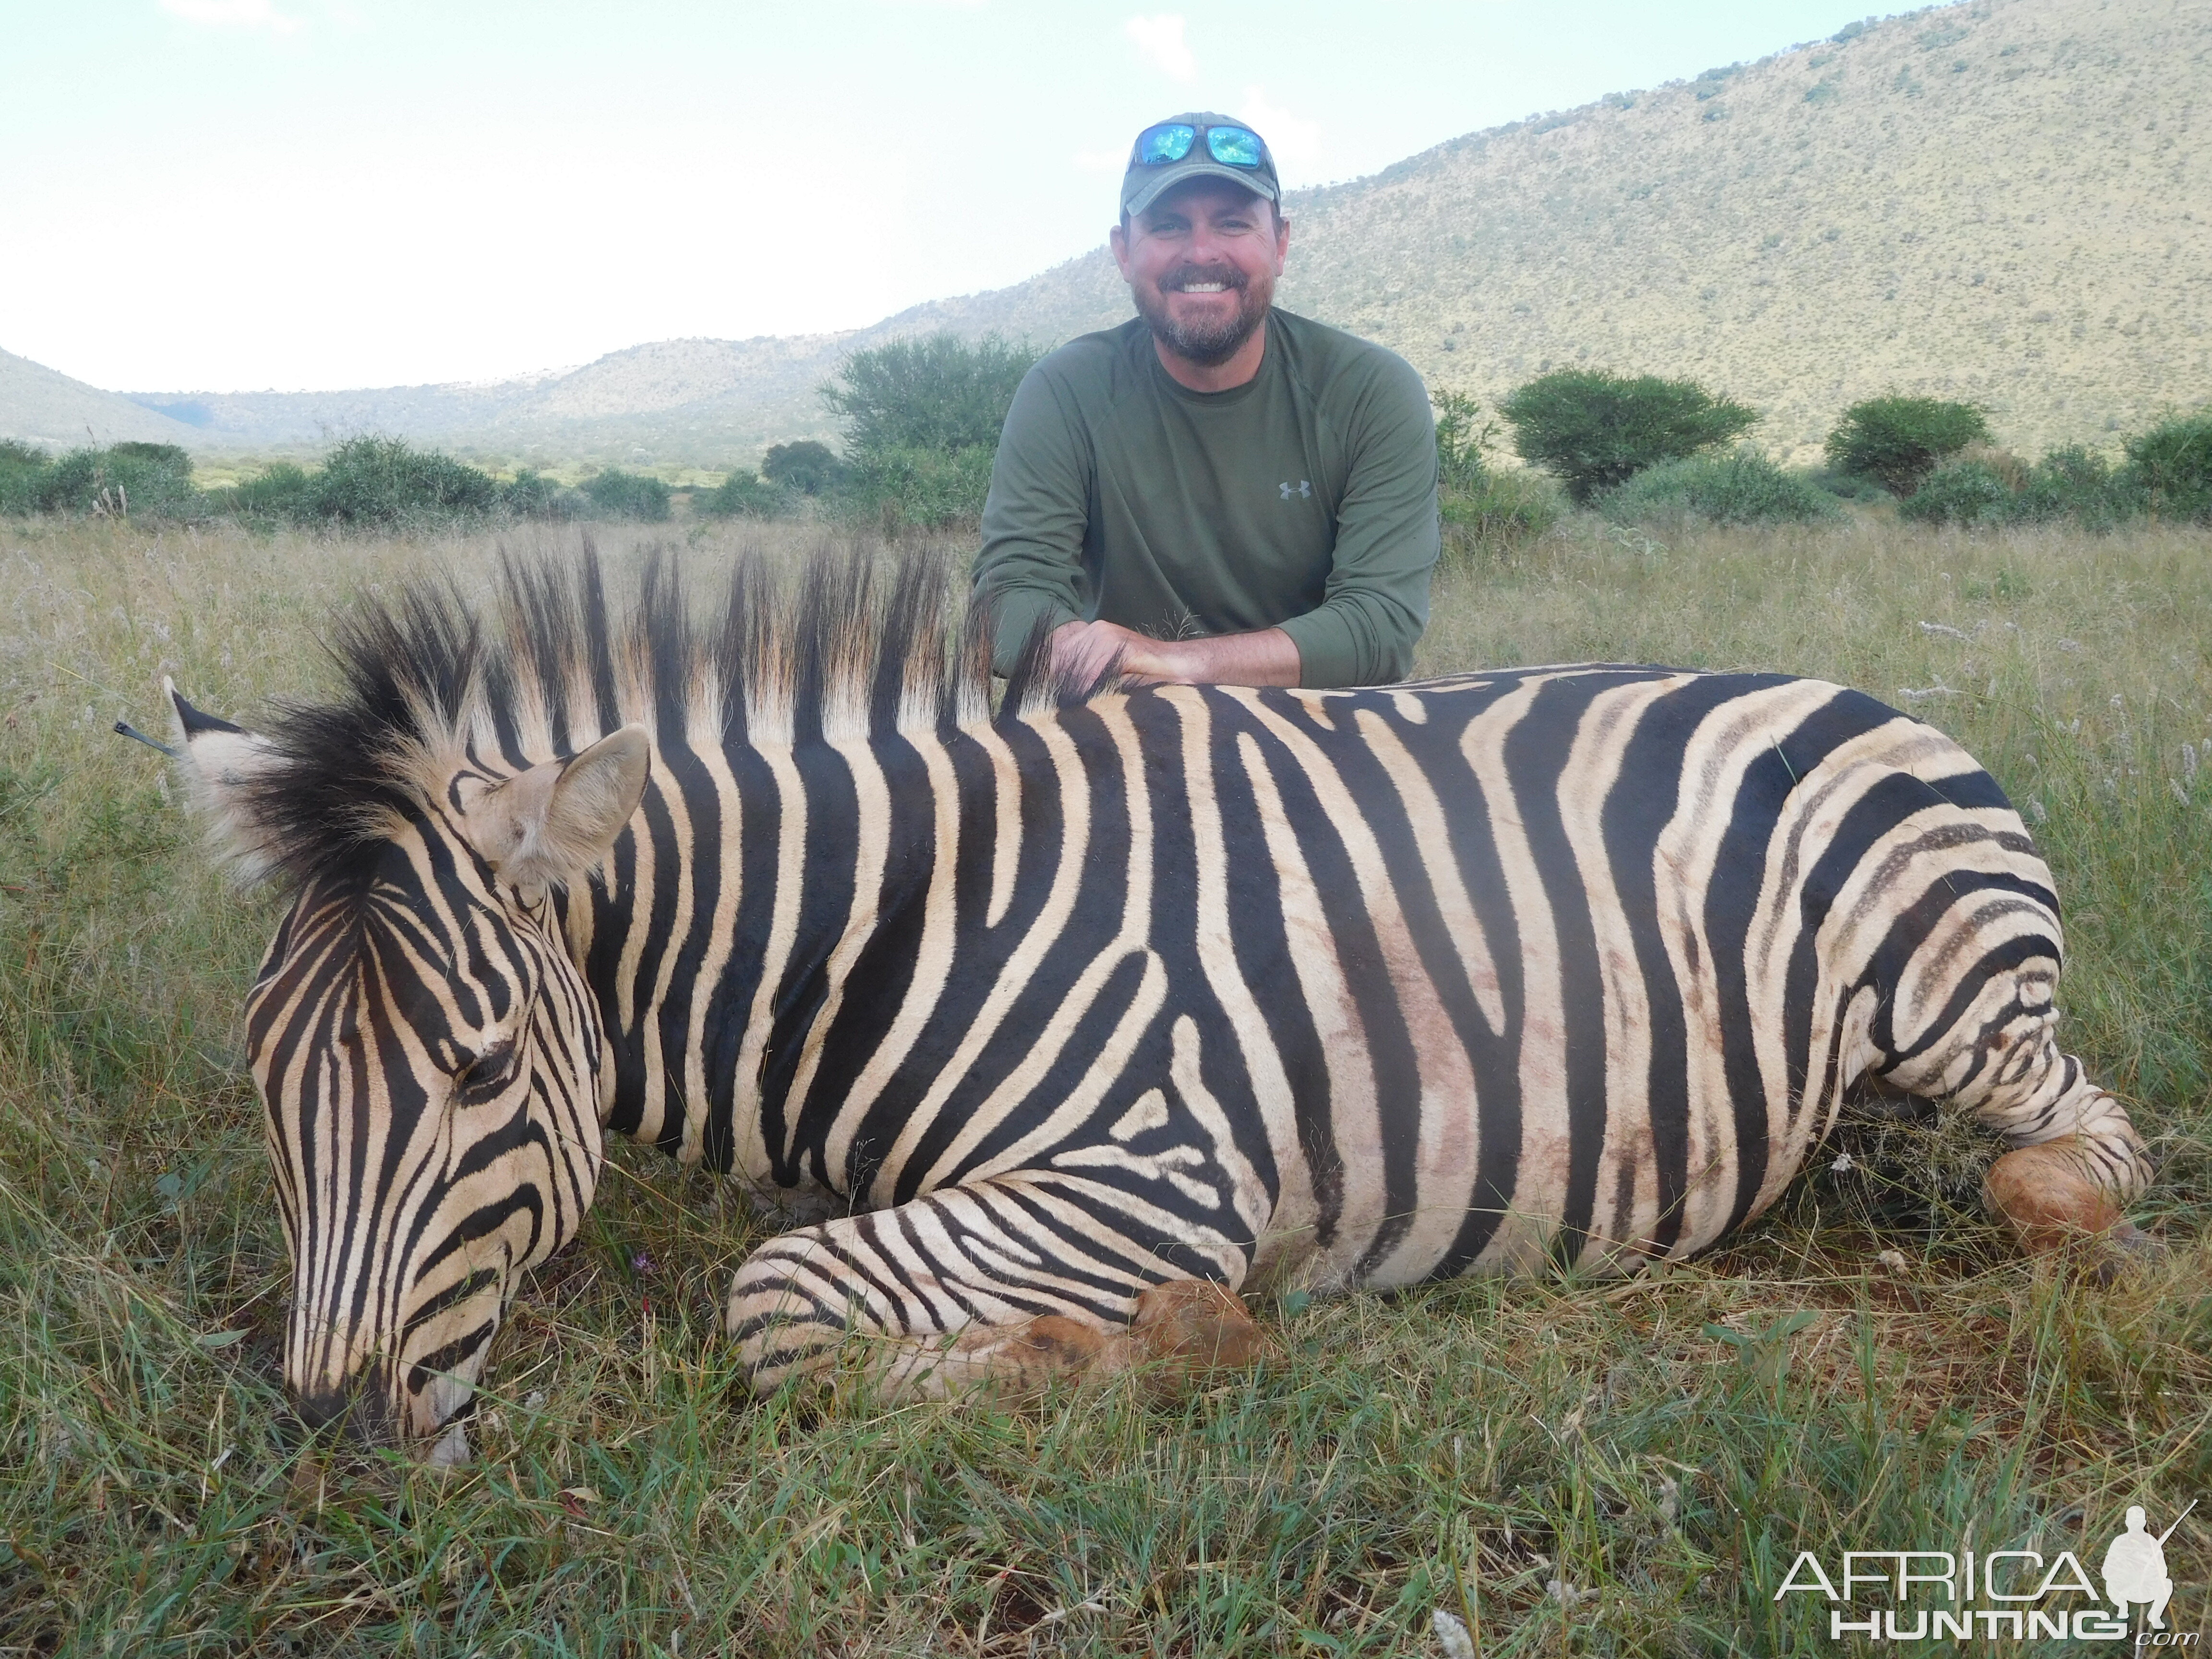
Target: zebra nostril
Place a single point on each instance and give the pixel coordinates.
(360, 1408)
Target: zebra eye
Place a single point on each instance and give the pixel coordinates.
(488, 1074)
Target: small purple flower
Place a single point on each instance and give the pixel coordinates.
(642, 1265)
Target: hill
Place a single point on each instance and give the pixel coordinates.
(1999, 201)
(48, 408)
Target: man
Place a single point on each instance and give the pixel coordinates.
(1216, 492)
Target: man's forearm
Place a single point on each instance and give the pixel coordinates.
(1267, 657)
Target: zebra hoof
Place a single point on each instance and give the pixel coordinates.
(1189, 1329)
(2055, 1206)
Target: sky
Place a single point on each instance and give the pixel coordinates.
(237, 195)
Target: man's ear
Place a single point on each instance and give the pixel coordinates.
(547, 826)
(221, 763)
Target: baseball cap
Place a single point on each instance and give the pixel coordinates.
(1196, 152)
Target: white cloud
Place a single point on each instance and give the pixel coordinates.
(232, 14)
(1291, 138)
(1160, 38)
(1101, 160)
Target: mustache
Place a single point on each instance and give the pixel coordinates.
(1228, 275)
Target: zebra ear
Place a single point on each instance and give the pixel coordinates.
(221, 763)
(547, 826)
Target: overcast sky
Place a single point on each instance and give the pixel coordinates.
(224, 195)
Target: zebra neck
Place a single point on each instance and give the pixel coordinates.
(765, 896)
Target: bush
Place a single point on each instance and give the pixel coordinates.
(2171, 465)
(1506, 509)
(1900, 440)
(153, 480)
(1745, 488)
(532, 494)
(923, 489)
(284, 491)
(1463, 443)
(806, 466)
(627, 495)
(384, 481)
(1595, 430)
(742, 494)
(1963, 492)
(938, 393)
(2079, 484)
(1989, 486)
(22, 467)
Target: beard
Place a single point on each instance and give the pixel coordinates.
(1210, 343)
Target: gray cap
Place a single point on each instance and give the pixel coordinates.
(1145, 183)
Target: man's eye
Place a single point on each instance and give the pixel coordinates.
(488, 1074)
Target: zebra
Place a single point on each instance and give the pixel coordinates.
(1051, 1032)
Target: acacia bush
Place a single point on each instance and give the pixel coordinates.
(1899, 441)
(1595, 430)
(939, 392)
(1745, 488)
(21, 465)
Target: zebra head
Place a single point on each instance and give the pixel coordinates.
(425, 1049)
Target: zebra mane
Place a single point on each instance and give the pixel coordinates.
(427, 679)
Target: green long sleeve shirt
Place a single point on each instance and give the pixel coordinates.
(1304, 499)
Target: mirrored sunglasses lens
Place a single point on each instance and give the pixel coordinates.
(1235, 147)
(1170, 142)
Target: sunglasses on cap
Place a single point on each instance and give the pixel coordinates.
(1170, 141)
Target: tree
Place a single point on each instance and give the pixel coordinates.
(1899, 441)
(1463, 438)
(936, 393)
(807, 466)
(1593, 430)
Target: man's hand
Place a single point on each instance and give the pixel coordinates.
(1085, 650)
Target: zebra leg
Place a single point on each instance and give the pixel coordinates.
(2077, 1161)
(975, 1287)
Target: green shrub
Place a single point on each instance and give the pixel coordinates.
(1745, 488)
(1900, 440)
(742, 494)
(284, 491)
(808, 466)
(532, 494)
(922, 489)
(384, 481)
(22, 468)
(1595, 431)
(1962, 492)
(1507, 508)
(620, 494)
(2077, 483)
(149, 480)
(1463, 441)
(939, 392)
(2171, 465)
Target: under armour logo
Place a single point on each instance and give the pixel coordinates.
(1303, 486)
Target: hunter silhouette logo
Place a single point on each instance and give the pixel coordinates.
(2003, 1594)
(2135, 1567)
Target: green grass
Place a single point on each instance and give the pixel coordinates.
(1669, 1444)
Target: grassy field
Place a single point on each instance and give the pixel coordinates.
(1568, 1469)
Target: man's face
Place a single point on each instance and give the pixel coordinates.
(1201, 264)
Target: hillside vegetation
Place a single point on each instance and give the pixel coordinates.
(1999, 202)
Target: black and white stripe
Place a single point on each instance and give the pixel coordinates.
(1021, 1014)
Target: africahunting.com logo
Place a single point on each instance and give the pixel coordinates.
(2012, 1596)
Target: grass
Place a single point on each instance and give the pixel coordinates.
(1659, 1451)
